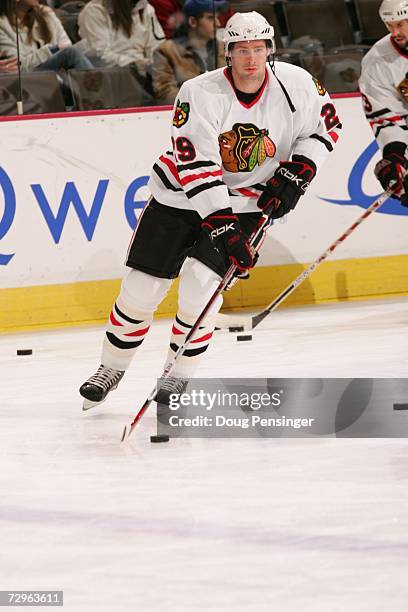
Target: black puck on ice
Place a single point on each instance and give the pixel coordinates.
(400, 406)
(24, 351)
(236, 329)
(243, 338)
(159, 438)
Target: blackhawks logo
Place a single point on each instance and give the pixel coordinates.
(181, 114)
(244, 147)
(320, 89)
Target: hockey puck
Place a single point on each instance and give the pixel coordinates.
(24, 351)
(400, 406)
(243, 338)
(240, 328)
(159, 438)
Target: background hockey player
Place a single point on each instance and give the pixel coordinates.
(384, 89)
(245, 138)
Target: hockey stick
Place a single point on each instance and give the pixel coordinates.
(264, 220)
(20, 109)
(249, 323)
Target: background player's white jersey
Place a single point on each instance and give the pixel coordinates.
(224, 151)
(384, 88)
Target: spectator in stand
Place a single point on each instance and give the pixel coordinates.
(122, 33)
(190, 53)
(43, 42)
(169, 13)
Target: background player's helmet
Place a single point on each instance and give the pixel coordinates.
(393, 10)
(248, 26)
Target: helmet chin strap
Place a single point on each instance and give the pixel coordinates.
(272, 67)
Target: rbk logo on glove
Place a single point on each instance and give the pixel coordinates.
(288, 184)
(302, 183)
(221, 230)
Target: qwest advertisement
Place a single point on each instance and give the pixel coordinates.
(71, 190)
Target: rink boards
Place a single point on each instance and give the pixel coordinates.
(72, 187)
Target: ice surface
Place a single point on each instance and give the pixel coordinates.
(258, 525)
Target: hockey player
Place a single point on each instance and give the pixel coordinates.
(245, 138)
(384, 90)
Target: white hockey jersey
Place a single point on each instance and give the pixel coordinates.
(224, 151)
(384, 88)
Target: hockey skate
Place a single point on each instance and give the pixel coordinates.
(97, 387)
(167, 387)
(170, 386)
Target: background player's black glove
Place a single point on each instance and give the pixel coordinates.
(390, 170)
(225, 231)
(284, 189)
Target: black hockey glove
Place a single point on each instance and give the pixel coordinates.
(225, 231)
(284, 189)
(390, 170)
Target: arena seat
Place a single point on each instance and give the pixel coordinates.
(68, 15)
(41, 93)
(327, 20)
(103, 88)
(371, 25)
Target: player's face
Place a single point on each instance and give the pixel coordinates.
(248, 60)
(399, 32)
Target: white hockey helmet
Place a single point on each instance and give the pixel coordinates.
(393, 10)
(247, 26)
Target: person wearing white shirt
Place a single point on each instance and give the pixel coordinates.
(43, 42)
(121, 33)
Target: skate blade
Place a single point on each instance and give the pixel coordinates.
(88, 404)
(126, 433)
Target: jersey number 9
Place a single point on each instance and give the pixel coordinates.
(184, 149)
